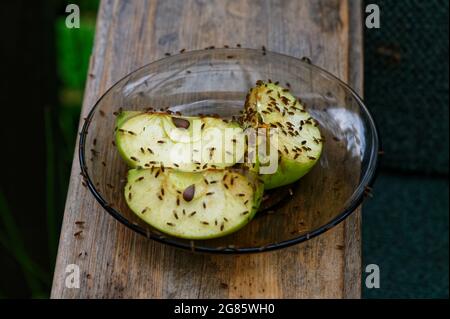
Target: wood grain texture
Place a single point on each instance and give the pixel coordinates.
(117, 263)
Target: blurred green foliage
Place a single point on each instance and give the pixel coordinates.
(37, 279)
(73, 50)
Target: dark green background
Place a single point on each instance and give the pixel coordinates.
(405, 224)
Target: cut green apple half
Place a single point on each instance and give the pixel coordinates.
(189, 144)
(299, 143)
(201, 205)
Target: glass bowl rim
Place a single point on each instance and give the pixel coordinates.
(357, 197)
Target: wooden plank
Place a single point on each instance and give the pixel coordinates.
(119, 263)
(352, 226)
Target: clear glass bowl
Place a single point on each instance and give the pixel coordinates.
(216, 81)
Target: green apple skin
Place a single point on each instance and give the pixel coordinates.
(142, 198)
(121, 118)
(260, 113)
(122, 141)
(288, 172)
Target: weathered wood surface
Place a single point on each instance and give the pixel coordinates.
(121, 264)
